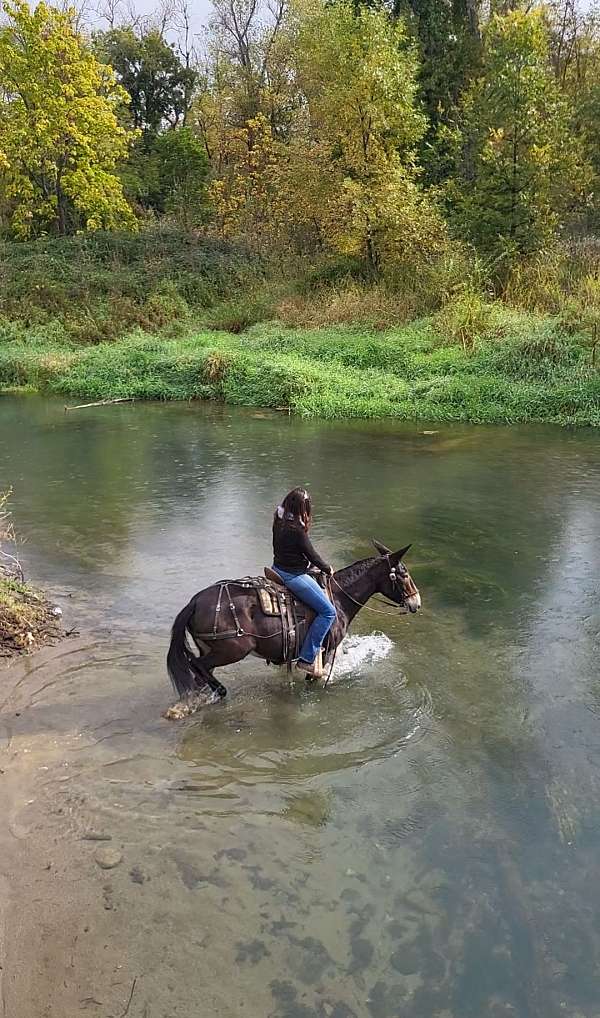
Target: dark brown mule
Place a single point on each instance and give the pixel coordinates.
(238, 613)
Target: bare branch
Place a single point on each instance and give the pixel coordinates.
(9, 562)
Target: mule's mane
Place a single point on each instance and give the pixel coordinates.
(350, 574)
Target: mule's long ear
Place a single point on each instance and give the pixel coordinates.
(381, 548)
(399, 555)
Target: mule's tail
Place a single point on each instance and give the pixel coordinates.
(180, 660)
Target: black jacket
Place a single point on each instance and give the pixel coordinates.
(292, 550)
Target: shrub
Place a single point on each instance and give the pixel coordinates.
(467, 318)
(337, 271)
(238, 314)
(360, 306)
(215, 366)
(166, 304)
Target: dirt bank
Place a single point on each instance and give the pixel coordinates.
(27, 619)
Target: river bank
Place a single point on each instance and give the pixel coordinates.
(521, 369)
(27, 619)
(172, 316)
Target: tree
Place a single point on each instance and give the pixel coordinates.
(160, 86)
(328, 159)
(521, 170)
(182, 171)
(250, 197)
(575, 55)
(448, 35)
(243, 115)
(245, 35)
(166, 171)
(357, 72)
(60, 138)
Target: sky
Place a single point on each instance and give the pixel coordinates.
(200, 10)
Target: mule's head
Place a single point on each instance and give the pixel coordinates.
(396, 582)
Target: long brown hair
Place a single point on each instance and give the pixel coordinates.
(295, 507)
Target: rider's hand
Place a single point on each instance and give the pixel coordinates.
(330, 571)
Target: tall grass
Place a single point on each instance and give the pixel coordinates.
(163, 315)
(100, 285)
(404, 373)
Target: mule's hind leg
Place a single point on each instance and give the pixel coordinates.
(226, 652)
(203, 666)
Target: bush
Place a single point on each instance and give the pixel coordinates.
(359, 306)
(238, 314)
(335, 271)
(467, 318)
(100, 285)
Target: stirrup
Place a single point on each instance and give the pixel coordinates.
(316, 669)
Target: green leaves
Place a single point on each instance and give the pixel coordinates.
(160, 87)
(60, 139)
(520, 168)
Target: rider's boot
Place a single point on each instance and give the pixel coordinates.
(314, 668)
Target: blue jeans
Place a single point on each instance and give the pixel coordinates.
(308, 590)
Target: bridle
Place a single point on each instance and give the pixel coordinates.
(398, 582)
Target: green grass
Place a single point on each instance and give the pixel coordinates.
(97, 286)
(165, 315)
(530, 373)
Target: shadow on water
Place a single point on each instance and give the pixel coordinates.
(419, 839)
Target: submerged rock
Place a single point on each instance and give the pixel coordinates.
(107, 858)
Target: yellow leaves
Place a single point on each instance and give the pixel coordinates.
(246, 198)
(61, 137)
(339, 170)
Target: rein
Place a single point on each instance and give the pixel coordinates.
(363, 604)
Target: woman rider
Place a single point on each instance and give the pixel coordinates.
(292, 555)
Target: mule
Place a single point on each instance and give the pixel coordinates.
(226, 627)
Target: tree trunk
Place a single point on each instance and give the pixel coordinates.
(61, 210)
(373, 256)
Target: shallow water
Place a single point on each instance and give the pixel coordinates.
(420, 839)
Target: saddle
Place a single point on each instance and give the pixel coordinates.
(274, 599)
(274, 594)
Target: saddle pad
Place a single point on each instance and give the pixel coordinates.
(269, 601)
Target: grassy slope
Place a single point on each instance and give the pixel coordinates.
(97, 286)
(404, 373)
(148, 303)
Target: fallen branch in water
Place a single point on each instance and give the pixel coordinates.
(101, 402)
(126, 1011)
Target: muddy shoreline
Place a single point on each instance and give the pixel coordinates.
(109, 895)
(65, 946)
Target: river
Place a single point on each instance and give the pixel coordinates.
(419, 840)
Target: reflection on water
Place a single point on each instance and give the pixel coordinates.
(419, 839)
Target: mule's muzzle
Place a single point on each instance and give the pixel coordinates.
(411, 594)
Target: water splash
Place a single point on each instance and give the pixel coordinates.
(358, 652)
